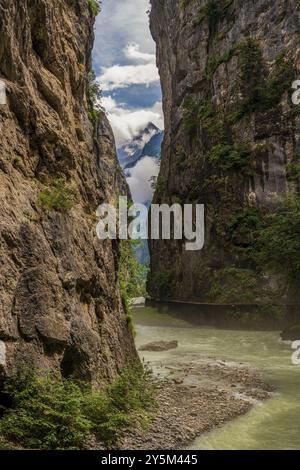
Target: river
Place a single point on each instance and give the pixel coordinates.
(273, 424)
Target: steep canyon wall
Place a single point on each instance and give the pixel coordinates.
(232, 140)
(59, 303)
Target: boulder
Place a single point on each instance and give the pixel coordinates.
(159, 346)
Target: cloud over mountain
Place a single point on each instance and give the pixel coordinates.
(140, 180)
(125, 65)
(127, 123)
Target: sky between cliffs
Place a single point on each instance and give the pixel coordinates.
(124, 62)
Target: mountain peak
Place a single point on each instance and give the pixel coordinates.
(151, 126)
(150, 129)
(133, 150)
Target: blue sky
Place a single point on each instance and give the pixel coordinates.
(124, 62)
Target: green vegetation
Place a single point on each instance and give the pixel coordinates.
(127, 402)
(293, 172)
(58, 196)
(49, 412)
(203, 113)
(17, 162)
(160, 185)
(244, 224)
(250, 62)
(132, 277)
(191, 116)
(251, 72)
(234, 285)
(278, 82)
(268, 241)
(279, 242)
(259, 93)
(94, 6)
(214, 62)
(223, 156)
(270, 311)
(95, 116)
(196, 113)
(231, 157)
(185, 3)
(164, 281)
(295, 111)
(45, 414)
(94, 94)
(94, 90)
(214, 11)
(132, 274)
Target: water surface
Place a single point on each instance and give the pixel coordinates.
(274, 424)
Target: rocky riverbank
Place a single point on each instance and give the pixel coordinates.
(196, 398)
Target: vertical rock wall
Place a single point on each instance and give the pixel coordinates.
(232, 134)
(59, 303)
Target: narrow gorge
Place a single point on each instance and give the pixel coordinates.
(114, 337)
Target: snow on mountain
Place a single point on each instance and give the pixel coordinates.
(140, 160)
(147, 142)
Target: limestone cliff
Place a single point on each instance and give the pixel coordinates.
(232, 138)
(59, 304)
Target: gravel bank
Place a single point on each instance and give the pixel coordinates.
(197, 399)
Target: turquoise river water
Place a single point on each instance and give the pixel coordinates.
(274, 424)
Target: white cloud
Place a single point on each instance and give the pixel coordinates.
(132, 51)
(126, 123)
(124, 56)
(121, 22)
(108, 103)
(122, 76)
(140, 179)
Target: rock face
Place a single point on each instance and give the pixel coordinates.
(59, 304)
(232, 136)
